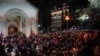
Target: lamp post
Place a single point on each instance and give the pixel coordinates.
(67, 19)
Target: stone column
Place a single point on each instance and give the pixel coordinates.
(37, 23)
(20, 23)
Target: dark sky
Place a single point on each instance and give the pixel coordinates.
(44, 3)
(45, 7)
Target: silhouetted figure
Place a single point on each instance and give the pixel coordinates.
(2, 51)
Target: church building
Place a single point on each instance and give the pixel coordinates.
(18, 14)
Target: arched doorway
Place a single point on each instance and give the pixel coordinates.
(12, 28)
(16, 20)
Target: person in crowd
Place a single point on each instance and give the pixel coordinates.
(64, 43)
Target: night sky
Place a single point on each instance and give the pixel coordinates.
(45, 7)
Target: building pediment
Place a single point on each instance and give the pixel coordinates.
(23, 5)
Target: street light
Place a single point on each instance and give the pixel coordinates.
(67, 19)
(86, 17)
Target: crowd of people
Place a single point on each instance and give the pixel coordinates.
(55, 43)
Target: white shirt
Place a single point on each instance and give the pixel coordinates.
(13, 53)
